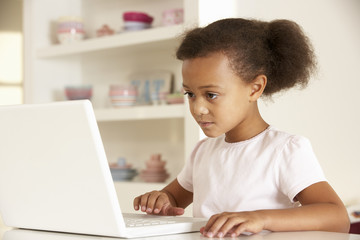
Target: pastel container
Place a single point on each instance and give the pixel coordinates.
(70, 29)
(173, 16)
(123, 95)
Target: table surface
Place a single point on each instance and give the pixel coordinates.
(19, 234)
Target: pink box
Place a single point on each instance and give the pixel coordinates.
(173, 16)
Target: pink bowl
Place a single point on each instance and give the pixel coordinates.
(78, 92)
(138, 17)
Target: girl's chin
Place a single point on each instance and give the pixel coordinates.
(211, 134)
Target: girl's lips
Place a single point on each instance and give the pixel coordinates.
(205, 124)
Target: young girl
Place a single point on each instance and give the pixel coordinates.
(247, 176)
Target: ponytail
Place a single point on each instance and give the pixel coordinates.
(291, 59)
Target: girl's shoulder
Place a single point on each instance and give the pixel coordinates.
(287, 143)
(277, 135)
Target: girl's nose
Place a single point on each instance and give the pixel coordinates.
(200, 108)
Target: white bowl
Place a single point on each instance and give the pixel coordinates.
(134, 25)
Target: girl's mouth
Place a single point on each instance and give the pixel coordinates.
(205, 124)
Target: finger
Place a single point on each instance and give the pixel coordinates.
(216, 226)
(238, 230)
(229, 226)
(161, 202)
(247, 228)
(152, 199)
(143, 202)
(210, 222)
(136, 202)
(228, 234)
(173, 211)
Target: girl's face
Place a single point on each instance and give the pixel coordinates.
(220, 101)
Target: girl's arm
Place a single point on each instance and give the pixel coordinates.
(321, 210)
(169, 201)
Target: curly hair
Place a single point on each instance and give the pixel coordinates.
(278, 49)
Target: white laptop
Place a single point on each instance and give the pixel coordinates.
(54, 175)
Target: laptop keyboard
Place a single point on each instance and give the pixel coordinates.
(139, 222)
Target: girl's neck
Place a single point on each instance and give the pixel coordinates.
(250, 127)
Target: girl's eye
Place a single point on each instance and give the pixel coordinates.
(212, 95)
(189, 94)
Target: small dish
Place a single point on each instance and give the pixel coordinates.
(134, 21)
(78, 92)
(122, 171)
(174, 98)
(137, 17)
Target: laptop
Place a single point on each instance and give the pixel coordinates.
(54, 176)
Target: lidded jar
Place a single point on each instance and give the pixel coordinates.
(70, 29)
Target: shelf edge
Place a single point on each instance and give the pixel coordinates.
(140, 113)
(122, 40)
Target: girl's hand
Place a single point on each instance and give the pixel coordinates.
(233, 224)
(156, 202)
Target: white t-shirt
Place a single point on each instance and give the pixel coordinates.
(264, 172)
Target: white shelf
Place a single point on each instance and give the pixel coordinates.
(140, 113)
(154, 38)
(166, 129)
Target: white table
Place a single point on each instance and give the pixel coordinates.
(17, 234)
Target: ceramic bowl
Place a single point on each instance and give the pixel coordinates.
(149, 176)
(123, 95)
(174, 98)
(134, 21)
(134, 26)
(137, 17)
(122, 174)
(78, 92)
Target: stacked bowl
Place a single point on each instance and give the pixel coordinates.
(123, 95)
(134, 21)
(121, 171)
(78, 92)
(174, 98)
(155, 170)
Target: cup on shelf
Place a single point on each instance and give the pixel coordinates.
(172, 16)
(123, 95)
(77, 92)
(134, 21)
(70, 29)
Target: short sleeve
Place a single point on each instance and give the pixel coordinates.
(185, 177)
(298, 167)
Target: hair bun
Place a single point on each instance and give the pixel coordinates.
(291, 58)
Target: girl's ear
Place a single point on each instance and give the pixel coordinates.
(257, 87)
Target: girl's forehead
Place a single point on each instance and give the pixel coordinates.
(206, 71)
(217, 58)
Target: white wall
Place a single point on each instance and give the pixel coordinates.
(328, 111)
